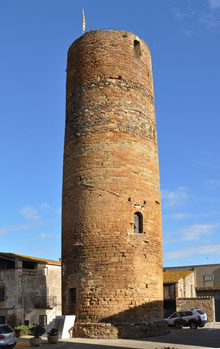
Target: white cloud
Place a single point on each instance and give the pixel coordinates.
(29, 212)
(45, 205)
(212, 184)
(192, 18)
(13, 228)
(190, 233)
(44, 236)
(210, 21)
(186, 252)
(173, 199)
(214, 4)
(179, 216)
(59, 211)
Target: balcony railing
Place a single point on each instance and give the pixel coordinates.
(45, 302)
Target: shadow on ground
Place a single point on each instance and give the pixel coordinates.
(202, 337)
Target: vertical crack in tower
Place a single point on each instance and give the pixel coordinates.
(111, 214)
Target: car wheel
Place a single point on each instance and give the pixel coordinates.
(202, 325)
(193, 325)
(178, 326)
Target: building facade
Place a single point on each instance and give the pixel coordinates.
(30, 289)
(111, 212)
(177, 284)
(207, 282)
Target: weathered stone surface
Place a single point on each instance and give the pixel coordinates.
(123, 330)
(110, 172)
(29, 293)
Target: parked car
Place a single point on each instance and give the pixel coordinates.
(190, 317)
(7, 336)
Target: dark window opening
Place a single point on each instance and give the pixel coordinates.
(6, 264)
(28, 265)
(43, 320)
(138, 222)
(137, 48)
(72, 301)
(2, 321)
(2, 293)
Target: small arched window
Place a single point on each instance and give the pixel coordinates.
(138, 222)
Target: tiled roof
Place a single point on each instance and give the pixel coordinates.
(33, 259)
(170, 277)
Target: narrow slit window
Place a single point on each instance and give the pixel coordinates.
(137, 48)
(2, 293)
(138, 222)
(72, 301)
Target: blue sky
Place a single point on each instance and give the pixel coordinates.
(184, 39)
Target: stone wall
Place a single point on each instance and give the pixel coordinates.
(205, 303)
(111, 172)
(123, 330)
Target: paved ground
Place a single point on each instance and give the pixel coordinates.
(207, 337)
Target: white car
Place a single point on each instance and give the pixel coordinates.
(189, 317)
(7, 336)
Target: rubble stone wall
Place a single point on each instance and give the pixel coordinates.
(123, 330)
(207, 304)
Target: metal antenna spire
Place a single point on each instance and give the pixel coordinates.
(83, 21)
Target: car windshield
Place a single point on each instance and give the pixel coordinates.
(5, 329)
(200, 311)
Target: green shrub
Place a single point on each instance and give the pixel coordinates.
(53, 332)
(37, 330)
(24, 329)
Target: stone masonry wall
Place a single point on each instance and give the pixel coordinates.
(110, 172)
(205, 303)
(123, 330)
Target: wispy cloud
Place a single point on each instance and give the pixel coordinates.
(214, 4)
(210, 20)
(29, 212)
(43, 236)
(190, 233)
(180, 215)
(209, 159)
(202, 250)
(192, 17)
(212, 184)
(14, 228)
(59, 211)
(45, 205)
(176, 198)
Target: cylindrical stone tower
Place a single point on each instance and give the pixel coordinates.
(111, 213)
